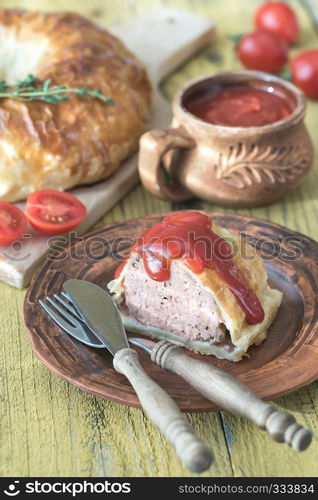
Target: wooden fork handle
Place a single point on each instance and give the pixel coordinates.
(230, 394)
(164, 412)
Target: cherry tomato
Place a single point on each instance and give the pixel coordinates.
(279, 18)
(13, 223)
(304, 69)
(54, 212)
(263, 50)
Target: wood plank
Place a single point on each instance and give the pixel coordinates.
(311, 7)
(244, 441)
(52, 428)
(251, 453)
(77, 434)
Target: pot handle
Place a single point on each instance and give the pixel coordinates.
(153, 146)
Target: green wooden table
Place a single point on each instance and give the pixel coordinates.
(50, 428)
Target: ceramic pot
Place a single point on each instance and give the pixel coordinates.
(230, 166)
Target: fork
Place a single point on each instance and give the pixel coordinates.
(71, 322)
(156, 402)
(219, 386)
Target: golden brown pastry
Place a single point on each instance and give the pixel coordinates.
(208, 301)
(79, 141)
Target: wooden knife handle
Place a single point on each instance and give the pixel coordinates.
(164, 412)
(230, 394)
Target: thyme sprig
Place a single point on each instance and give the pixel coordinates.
(32, 89)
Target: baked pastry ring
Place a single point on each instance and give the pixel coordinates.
(79, 141)
(197, 299)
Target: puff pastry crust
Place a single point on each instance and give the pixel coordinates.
(79, 141)
(241, 334)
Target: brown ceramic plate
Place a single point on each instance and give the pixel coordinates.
(286, 361)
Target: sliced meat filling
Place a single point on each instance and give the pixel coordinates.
(178, 306)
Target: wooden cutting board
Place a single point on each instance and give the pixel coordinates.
(163, 38)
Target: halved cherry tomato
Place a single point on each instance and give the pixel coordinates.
(13, 223)
(279, 18)
(54, 212)
(304, 69)
(263, 50)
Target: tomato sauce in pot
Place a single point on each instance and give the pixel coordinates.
(246, 104)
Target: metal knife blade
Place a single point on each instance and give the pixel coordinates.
(100, 313)
(145, 344)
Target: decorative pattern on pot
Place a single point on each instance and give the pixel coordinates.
(244, 165)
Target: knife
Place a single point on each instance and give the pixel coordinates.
(227, 392)
(221, 388)
(103, 318)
